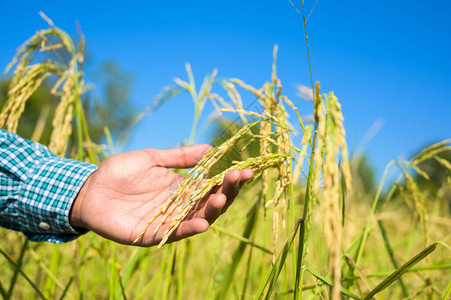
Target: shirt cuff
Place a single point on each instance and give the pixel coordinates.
(47, 197)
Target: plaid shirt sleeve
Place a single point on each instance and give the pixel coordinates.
(37, 189)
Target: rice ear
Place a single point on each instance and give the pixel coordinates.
(29, 77)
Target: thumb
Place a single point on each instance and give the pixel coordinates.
(183, 157)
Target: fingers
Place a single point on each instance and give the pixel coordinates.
(246, 176)
(189, 228)
(233, 181)
(183, 157)
(214, 207)
(231, 184)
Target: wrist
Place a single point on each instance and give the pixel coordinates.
(76, 212)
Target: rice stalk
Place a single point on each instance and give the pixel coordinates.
(329, 205)
(320, 122)
(311, 190)
(269, 105)
(305, 142)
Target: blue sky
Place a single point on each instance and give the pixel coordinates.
(387, 61)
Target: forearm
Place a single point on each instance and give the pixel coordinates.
(37, 189)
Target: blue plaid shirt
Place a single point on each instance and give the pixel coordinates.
(37, 189)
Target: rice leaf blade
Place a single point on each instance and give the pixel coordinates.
(33, 285)
(16, 271)
(391, 254)
(273, 274)
(327, 281)
(400, 271)
(447, 292)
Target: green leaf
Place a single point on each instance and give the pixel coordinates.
(278, 265)
(391, 255)
(16, 271)
(400, 271)
(327, 281)
(446, 292)
(2, 291)
(11, 261)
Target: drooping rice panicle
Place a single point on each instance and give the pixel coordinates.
(431, 151)
(15, 105)
(256, 164)
(198, 173)
(29, 77)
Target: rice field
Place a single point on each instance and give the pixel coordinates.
(304, 228)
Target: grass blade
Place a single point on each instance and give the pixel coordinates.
(2, 291)
(124, 296)
(33, 285)
(278, 265)
(47, 271)
(327, 281)
(400, 271)
(16, 271)
(391, 254)
(447, 292)
(297, 290)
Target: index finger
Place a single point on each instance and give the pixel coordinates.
(183, 157)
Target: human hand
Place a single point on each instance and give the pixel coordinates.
(128, 188)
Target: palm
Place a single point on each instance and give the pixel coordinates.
(129, 188)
